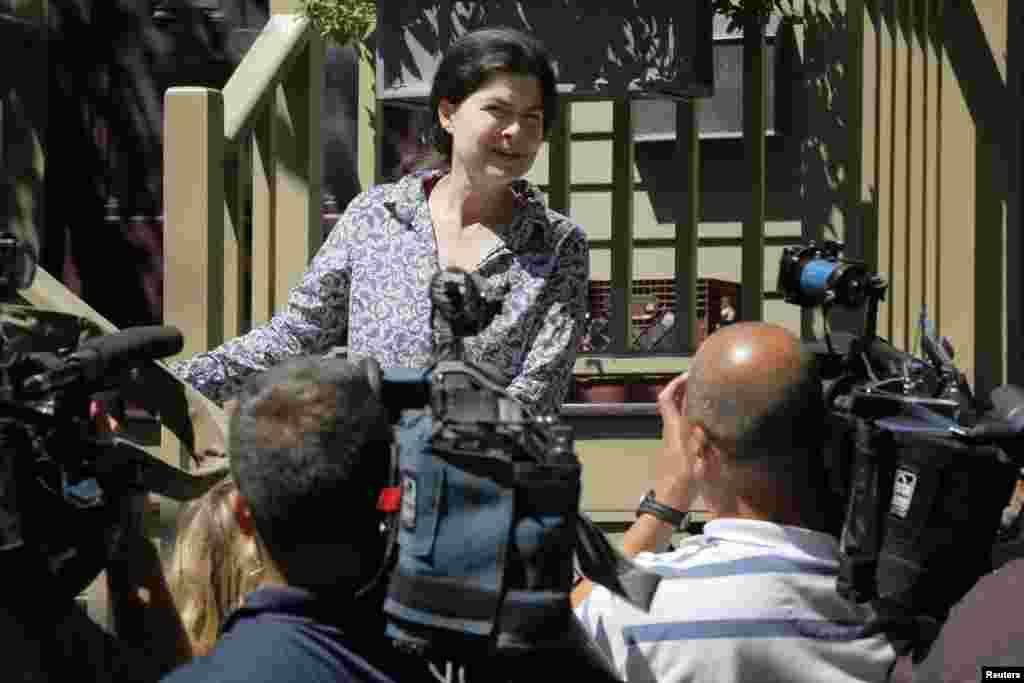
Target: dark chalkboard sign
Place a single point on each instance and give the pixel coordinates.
(646, 48)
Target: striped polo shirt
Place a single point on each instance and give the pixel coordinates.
(745, 601)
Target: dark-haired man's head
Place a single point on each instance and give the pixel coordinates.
(756, 419)
(309, 452)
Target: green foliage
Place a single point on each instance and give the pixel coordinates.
(740, 11)
(342, 20)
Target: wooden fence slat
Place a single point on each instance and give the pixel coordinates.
(917, 155)
(687, 227)
(755, 116)
(264, 200)
(622, 223)
(298, 229)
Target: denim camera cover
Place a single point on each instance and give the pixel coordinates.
(485, 544)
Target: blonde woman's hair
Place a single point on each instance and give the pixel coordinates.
(213, 566)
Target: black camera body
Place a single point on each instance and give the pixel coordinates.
(919, 467)
(65, 486)
(483, 519)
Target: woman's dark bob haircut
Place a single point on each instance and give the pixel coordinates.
(474, 59)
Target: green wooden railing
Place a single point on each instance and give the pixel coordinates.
(242, 185)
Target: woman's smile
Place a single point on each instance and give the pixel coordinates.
(513, 156)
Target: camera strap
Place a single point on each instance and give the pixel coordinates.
(861, 538)
(604, 565)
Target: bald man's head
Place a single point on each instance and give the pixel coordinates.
(754, 390)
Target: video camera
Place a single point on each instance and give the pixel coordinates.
(483, 508)
(921, 467)
(63, 484)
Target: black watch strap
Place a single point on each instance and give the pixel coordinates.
(666, 514)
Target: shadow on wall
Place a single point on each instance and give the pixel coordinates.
(100, 120)
(637, 42)
(822, 100)
(103, 143)
(823, 87)
(1015, 209)
(723, 179)
(833, 207)
(956, 31)
(22, 114)
(987, 98)
(339, 124)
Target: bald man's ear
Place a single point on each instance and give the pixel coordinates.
(706, 459)
(699, 441)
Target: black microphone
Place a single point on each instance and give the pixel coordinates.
(459, 297)
(110, 353)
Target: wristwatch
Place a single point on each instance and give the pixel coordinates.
(669, 515)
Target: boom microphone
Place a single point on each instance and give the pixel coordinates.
(110, 353)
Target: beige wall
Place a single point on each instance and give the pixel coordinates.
(936, 123)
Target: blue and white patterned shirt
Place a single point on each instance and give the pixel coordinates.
(369, 283)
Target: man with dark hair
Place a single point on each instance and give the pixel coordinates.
(309, 451)
(753, 598)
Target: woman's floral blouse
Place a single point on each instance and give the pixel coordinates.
(368, 285)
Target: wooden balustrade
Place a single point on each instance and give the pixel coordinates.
(242, 186)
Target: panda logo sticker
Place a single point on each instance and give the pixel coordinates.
(903, 492)
(408, 515)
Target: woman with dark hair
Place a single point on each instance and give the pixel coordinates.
(493, 101)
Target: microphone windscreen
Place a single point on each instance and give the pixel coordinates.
(136, 344)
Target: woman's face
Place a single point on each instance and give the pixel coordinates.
(496, 131)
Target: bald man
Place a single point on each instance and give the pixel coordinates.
(754, 597)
